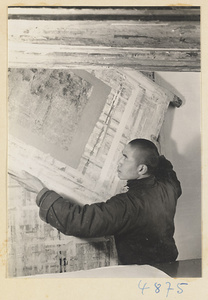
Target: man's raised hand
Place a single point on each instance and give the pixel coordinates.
(28, 182)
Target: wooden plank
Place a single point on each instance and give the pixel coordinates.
(32, 56)
(107, 34)
(145, 13)
(152, 45)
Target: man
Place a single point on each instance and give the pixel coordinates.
(141, 220)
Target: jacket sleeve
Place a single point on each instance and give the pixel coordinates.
(95, 220)
(166, 173)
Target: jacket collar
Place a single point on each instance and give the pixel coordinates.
(147, 181)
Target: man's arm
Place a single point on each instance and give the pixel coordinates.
(95, 220)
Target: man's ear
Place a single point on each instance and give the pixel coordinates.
(142, 169)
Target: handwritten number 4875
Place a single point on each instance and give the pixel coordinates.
(158, 287)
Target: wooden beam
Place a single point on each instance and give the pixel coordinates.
(142, 13)
(32, 56)
(126, 42)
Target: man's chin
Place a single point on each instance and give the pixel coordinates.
(121, 177)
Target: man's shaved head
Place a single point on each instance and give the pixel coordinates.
(146, 153)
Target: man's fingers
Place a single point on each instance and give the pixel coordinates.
(29, 175)
(26, 173)
(15, 177)
(21, 181)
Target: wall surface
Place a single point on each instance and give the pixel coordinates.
(180, 142)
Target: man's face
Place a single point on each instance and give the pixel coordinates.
(128, 165)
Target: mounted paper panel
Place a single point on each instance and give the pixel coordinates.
(55, 110)
(79, 121)
(68, 128)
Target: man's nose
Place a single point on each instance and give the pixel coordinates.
(120, 161)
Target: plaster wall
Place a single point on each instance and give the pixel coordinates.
(181, 143)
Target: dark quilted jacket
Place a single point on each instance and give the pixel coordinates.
(141, 220)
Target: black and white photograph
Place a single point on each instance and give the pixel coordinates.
(104, 142)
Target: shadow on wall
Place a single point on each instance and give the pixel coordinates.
(188, 212)
(167, 85)
(191, 160)
(168, 146)
(188, 216)
(187, 164)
